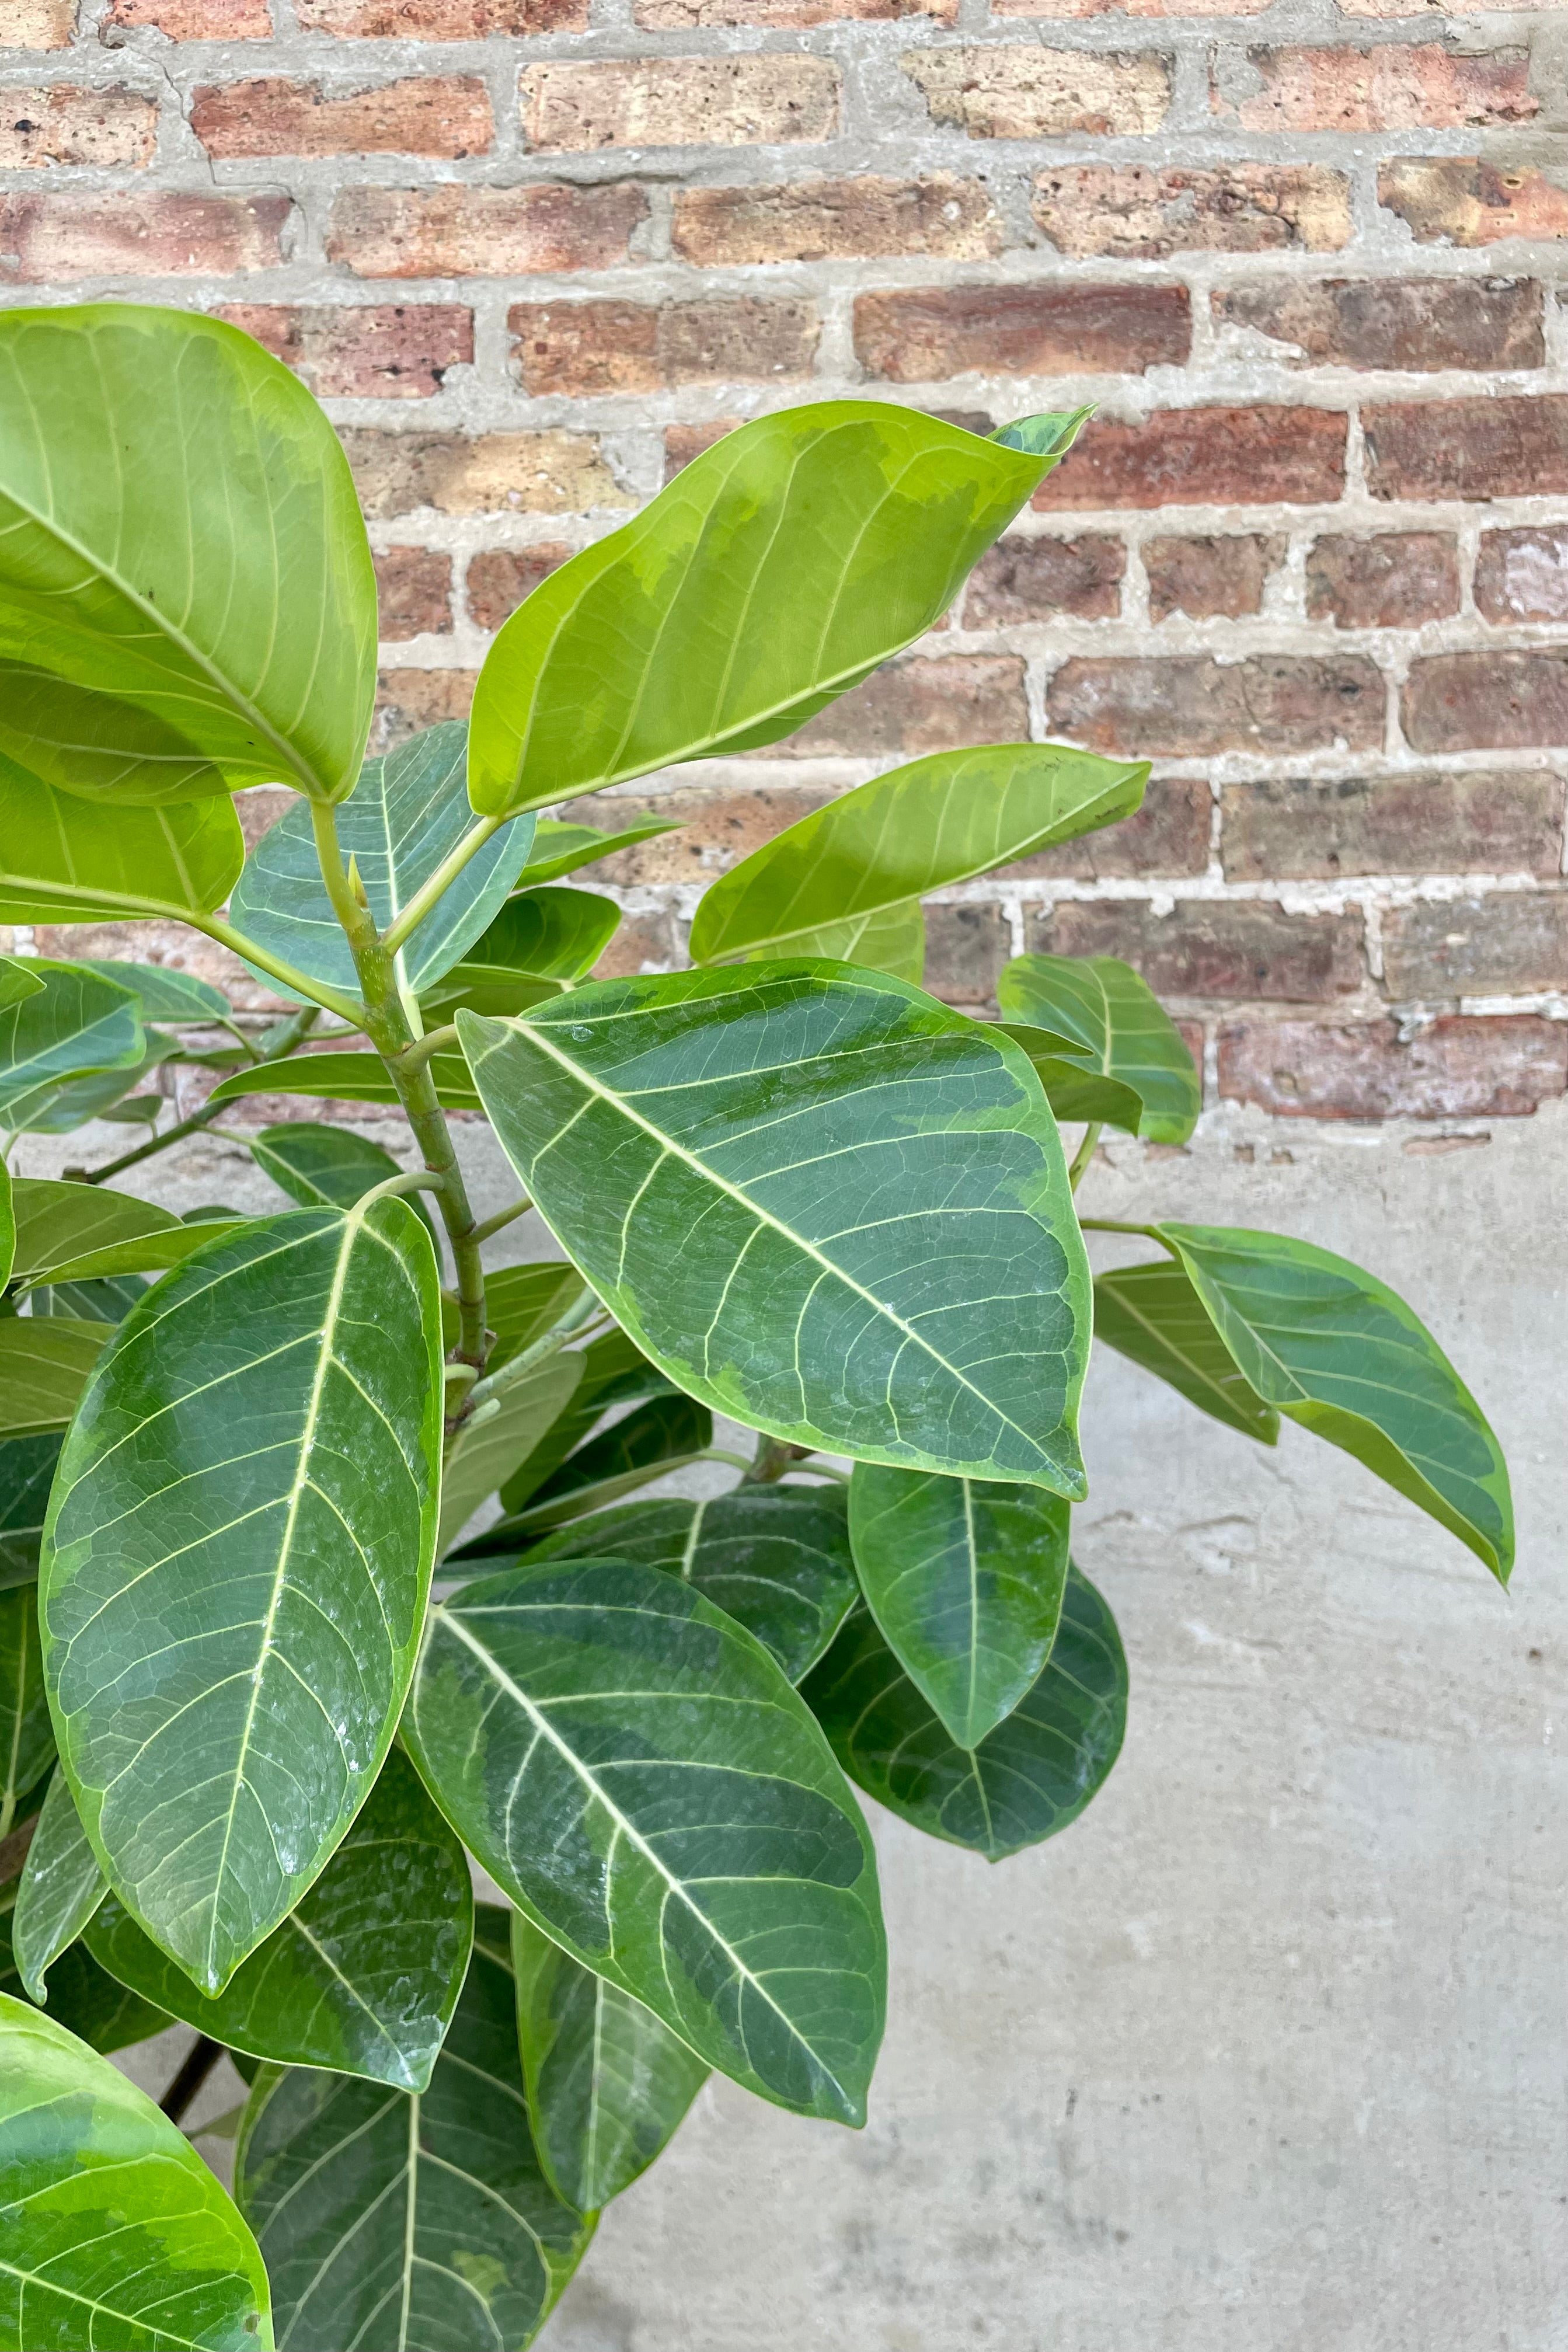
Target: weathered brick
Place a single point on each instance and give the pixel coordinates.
(259, 809)
(1503, 943)
(37, 23)
(1169, 834)
(1318, 828)
(942, 218)
(1522, 575)
(924, 334)
(61, 123)
(967, 946)
(494, 473)
(414, 588)
(1204, 946)
(582, 347)
(1396, 86)
(1202, 456)
(457, 232)
(685, 16)
(382, 350)
(192, 20)
(439, 20)
(1487, 702)
(924, 705)
(719, 827)
(424, 115)
(1133, 212)
(644, 942)
(1467, 201)
(1508, 446)
(572, 107)
(1451, 1069)
(1188, 707)
(1129, 8)
(164, 233)
(684, 441)
(174, 946)
(1035, 93)
(1393, 323)
(1020, 580)
(408, 699)
(1394, 582)
(1210, 579)
(501, 577)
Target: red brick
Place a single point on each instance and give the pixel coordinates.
(450, 231)
(409, 699)
(1390, 322)
(582, 347)
(501, 577)
(1451, 1069)
(1209, 579)
(1508, 446)
(192, 20)
(1396, 86)
(926, 333)
(575, 106)
(1202, 456)
(1467, 201)
(942, 218)
(1032, 92)
(1132, 212)
(1522, 575)
(383, 351)
(1206, 946)
(1020, 580)
(1318, 828)
(430, 115)
(1187, 707)
(923, 705)
(1395, 581)
(647, 943)
(1502, 944)
(37, 23)
(1487, 702)
(414, 585)
(439, 20)
(162, 233)
(1169, 834)
(719, 827)
(61, 123)
(550, 472)
(686, 16)
(684, 441)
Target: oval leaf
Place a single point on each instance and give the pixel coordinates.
(44, 1365)
(67, 860)
(560, 849)
(541, 941)
(26, 1736)
(1152, 1313)
(61, 1887)
(57, 1223)
(653, 1438)
(163, 992)
(484, 1458)
(347, 1077)
(77, 1024)
(1122, 1031)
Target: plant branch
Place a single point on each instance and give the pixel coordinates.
(198, 2065)
(502, 1218)
(331, 999)
(1084, 1153)
(517, 1367)
(418, 1179)
(424, 1048)
(275, 1043)
(445, 874)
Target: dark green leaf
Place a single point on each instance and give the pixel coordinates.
(541, 942)
(67, 860)
(26, 1737)
(61, 1886)
(164, 994)
(521, 1302)
(347, 1077)
(44, 1365)
(1051, 433)
(324, 1167)
(1122, 1029)
(485, 1457)
(635, 1772)
(70, 1103)
(83, 1997)
(1074, 1090)
(653, 1438)
(107, 1301)
(26, 1473)
(560, 849)
(77, 1024)
(1152, 1313)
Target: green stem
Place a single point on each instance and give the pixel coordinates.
(1084, 1153)
(424, 1048)
(773, 1456)
(445, 874)
(392, 1188)
(331, 999)
(722, 1454)
(1112, 1225)
(517, 1367)
(501, 1219)
(275, 1044)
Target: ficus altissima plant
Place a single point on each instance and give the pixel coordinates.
(248, 1754)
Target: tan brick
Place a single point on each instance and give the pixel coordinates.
(59, 123)
(1210, 579)
(583, 348)
(494, 473)
(439, 20)
(1239, 948)
(1522, 575)
(684, 441)
(572, 107)
(1395, 581)
(1188, 707)
(650, 943)
(685, 16)
(943, 217)
(1505, 446)
(719, 827)
(924, 705)
(379, 350)
(1487, 702)
(1169, 834)
(426, 115)
(175, 948)
(192, 20)
(1202, 456)
(1020, 580)
(1035, 93)
(501, 577)
(259, 809)
(409, 699)
(1451, 1069)
(1319, 828)
(922, 334)
(1394, 87)
(1390, 322)
(457, 232)
(1467, 201)
(967, 946)
(37, 23)
(1132, 212)
(1503, 943)
(164, 233)
(414, 588)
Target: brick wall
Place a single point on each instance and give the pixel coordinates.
(1313, 558)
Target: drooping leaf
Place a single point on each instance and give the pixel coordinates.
(67, 860)
(560, 849)
(26, 1737)
(485, 1457)
(27, 1472)
(402, 819)
(607, 2083)
(1032, 1776)
(77, 1024)
(83, 1997)
(61, 1886)
(1073, 1090)
(362, 1976)
(1152, 1313)
(347, 1077)
(198, 613)
(827, 1204)
(1124, 1032)
(1051, 433)
(938, 821)
(541, 941)
(235, 1564)
(150, 1252)
(421, 2221)
(163, 993)
(70, 1103)
(636, 1773)
(117, 2234)
(779, 568)
(653, 1438)
(44, 1365)
(324, 1167)
(965, 1581)
(16, 981)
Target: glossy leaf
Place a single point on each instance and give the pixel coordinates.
(1074, 1090)
(1152, 1313)
(117, 2234)
(78, 1022)
(541, 941)
(150, 1252)
(16, 982)
(938, 821)
(362, 1976)
(26, 1737)
(1032, 1776)
(67, 860)
(83, 1997)
(607, 2083)
(827, 1204)
(1049, 434)
(61, 1108)
(61, 1887)
(347, 1077)
(1122, 1028)
(235, 1565)
(484, 1458)
(26, 1473)
(779, 568)
(653, 1438)
(200, 614)
(44, 1365)
(636, 1773)
(420, 2222)
(560, 849)
(56, 1222)
(164, 993)
(965, 1581)
(324, 1167)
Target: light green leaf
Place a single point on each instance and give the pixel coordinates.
(117, 2234)
(44, 1365)
(541, 942)
(26, 1473)
(151, 1254)
(1032, 1776)
(796, 1186)
(615, 1372)
(1073, 1090)
(83, 1997)
(636, 1773)
(199, 613)
(57, 1223)
(67, 860)
(966, 1580)
(347, 1077)
(16, 982)
(404, 816)
(1051, 433)
(422, 2222)
(653, 1438)
(890, 939)
(163, 993)
(78, 1022)
(607, 2083)
(560, 849)
(484, 1458)
(61, 1886)
(71, 1102)
(1333, 1349)
(940, 821)
(235, 1565)
(362, 1976)
(1122, 1029)
(1152, 1313)
(26, 1737)
(779, 568)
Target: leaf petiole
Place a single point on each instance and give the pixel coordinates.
(445, 874)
